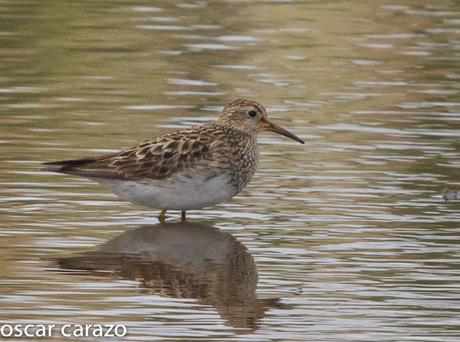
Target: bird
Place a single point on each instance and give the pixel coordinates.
(184, 170)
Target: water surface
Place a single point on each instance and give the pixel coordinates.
(344, 238)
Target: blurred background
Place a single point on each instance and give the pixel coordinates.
(349, 233)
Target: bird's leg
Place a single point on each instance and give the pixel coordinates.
(162, 216)
(183, 216)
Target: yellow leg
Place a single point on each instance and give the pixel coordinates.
(162, 216)
(183, 215)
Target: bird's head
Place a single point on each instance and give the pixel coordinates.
(251, 117)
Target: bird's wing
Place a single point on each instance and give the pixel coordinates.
(153, 159)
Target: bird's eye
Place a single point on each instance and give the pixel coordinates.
(252, 113)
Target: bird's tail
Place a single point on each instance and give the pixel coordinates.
(65, 165)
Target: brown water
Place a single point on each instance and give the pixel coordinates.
(348, 233)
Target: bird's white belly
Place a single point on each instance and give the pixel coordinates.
(179, 193)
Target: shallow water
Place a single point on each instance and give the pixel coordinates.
(349, 234)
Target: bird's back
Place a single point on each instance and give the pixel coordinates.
(211, 149)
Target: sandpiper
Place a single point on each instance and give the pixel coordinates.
(187, 169)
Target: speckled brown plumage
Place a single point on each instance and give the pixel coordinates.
(212, 148)
(226, 148)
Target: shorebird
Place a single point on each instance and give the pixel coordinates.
(187, 169)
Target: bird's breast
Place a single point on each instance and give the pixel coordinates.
(244, 165)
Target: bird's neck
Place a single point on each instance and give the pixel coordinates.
(237, 135)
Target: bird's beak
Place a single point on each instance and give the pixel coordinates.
(270, 126)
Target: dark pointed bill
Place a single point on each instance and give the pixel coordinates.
(270, 126)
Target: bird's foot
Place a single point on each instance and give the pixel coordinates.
(162, 216)
(183, 216)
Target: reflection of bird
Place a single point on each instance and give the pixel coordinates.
(186, 260)
(188, 169)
